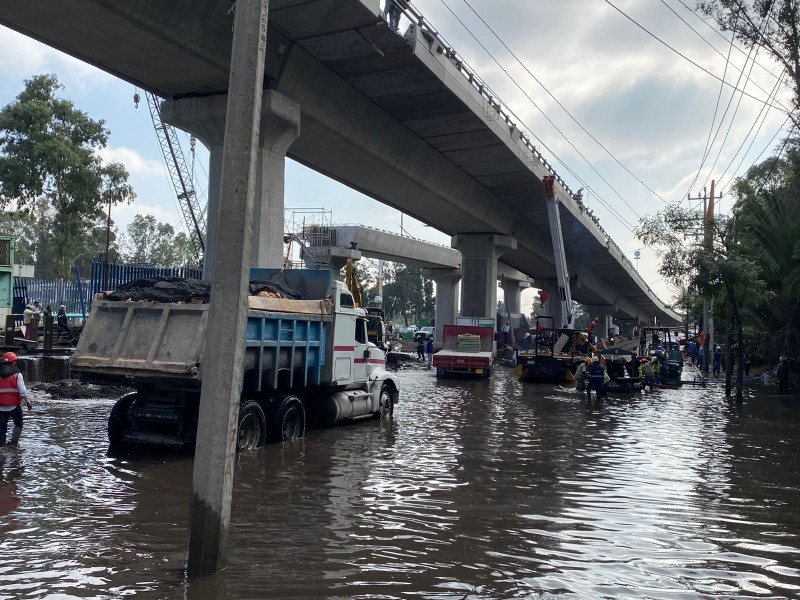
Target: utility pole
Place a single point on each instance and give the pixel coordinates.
(223, 366)
(709, 241)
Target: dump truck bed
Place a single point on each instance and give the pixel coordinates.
(165, 342)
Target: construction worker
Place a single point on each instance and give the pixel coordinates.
(12, 395)
(647, 375)
(717, 360)
(581, 374)
(655, 363)
(596, 379)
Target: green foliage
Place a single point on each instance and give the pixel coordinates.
(148, 241)
(49, 165)
(408, 296)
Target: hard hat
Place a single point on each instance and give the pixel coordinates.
(595, 359)
(644, 360)
(781, 358)
(8, 357)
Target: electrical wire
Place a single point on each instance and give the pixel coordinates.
(686, 58)
(556, 100)
(720, 34)
(762, 115)
(709, 143)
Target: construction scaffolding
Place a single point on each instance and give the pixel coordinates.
(308, 238)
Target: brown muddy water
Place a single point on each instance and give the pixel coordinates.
(477, 489)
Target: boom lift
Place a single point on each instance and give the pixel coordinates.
(564, 293)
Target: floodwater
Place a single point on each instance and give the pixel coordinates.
(478, 489)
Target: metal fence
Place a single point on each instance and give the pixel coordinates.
(77, 295)
(118, 274)
(54, 293)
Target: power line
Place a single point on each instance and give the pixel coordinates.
(686, 58)
(719, 33)
(511, 52)
(709, 143)
(762, 115)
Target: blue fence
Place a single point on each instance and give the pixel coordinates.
(53, 293)
(121, 273)
(77, 295)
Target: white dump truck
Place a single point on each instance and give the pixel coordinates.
(306, 358)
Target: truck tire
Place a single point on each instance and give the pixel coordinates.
(385, 403)
(117, 418)
(288, 420)
(252, 432)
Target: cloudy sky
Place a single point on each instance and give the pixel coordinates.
(641, 77)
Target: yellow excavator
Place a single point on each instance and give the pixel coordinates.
(376, 328)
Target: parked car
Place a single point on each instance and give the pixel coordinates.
(424, 333)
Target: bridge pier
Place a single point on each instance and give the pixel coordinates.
(332, 257)
(204, 117)
(553, 307)
(512, 292)
(446, 281)
(479, 254)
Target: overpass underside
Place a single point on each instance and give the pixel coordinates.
(389, 115)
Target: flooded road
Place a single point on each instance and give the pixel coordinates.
(478, 489)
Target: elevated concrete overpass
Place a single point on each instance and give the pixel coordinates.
(399, 118)
(443, 264)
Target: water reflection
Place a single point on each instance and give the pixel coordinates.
(478, 489)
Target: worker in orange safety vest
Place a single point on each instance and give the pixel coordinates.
(12, 395)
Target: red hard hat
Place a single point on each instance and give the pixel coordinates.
(8, 357)
(644, 360)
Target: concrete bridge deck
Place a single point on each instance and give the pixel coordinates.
(395, 117)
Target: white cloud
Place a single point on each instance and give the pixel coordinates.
(24, 57)
(134, 161)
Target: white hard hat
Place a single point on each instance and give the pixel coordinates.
(782, 358)
(595, 359)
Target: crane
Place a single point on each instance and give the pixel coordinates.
(193, 214)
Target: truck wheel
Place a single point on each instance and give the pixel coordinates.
(289, 420)
(385, 404)
(117, 418)
(487, 373)
(252, 426)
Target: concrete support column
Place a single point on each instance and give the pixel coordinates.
(602, 326)
(280, 126)
(335, 258)
(220, 394)
(512, 291)
(479, 254)
(204, 117)
(446, 281)
(553, 306)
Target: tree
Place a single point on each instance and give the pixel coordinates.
(767, 219)
(147, 240)
(49, 162)
(773, 25)
(409, 296)
(720, 266)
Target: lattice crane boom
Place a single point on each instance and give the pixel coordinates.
(193, 214)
